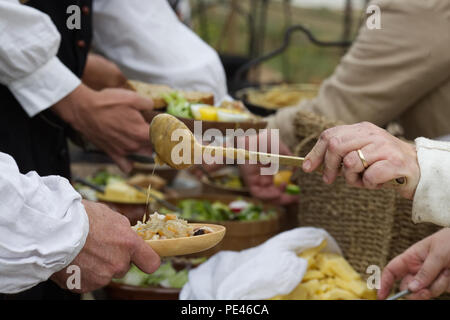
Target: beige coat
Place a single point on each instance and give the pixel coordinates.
(399, 73)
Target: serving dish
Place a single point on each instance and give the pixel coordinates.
(164, 284)
(239, 235)
(189, 245)
(268, 99)
(225, 181)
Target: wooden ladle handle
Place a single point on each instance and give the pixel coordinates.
(282, 159)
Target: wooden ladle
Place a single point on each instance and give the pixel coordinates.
(164, 127)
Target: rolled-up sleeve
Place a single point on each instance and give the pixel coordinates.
(432, 197)
(43, 226)
(29, 42)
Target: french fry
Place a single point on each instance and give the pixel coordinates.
(329, 277)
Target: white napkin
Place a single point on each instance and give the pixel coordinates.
(262, 272)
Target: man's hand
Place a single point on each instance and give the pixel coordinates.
(110, 119)
(387, 157)
(424, 268)
(110, 247)
(101, 73)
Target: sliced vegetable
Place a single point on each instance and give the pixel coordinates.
(204, 210)
(178, 106)
(166, 276)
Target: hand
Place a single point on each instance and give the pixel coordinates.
(111, 246)
(388, 158)
(101, 73)
(110, 119)
(424, 268)
(262, 186)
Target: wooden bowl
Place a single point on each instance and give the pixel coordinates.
(240, 235)
(206, 125)
(189, 245)
(209, 187)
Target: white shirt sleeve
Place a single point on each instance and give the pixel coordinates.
(43, 226)
(29, 42)
(148, 42)
(432, 198)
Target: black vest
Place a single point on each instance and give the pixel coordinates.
(39, 144)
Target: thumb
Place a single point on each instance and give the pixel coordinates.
(141, 103)
(144, 257)
(429, 271)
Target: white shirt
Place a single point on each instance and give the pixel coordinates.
(43, 226)
(148, 42)
(29, 42)
(432, 197)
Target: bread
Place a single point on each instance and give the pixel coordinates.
(156, 92)
(200, 97)
(152, 91)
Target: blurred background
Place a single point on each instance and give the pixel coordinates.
(246, 29)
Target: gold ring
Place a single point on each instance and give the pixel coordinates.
(363, 159)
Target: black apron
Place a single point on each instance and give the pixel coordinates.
(40, 143)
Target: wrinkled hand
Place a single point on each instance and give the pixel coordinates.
(262, 186)
(110, 247)
(111, 119)
(101, 73)
(424, 268)
(388, 158)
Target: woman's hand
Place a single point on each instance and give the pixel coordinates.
(387, 157)
(424, 268)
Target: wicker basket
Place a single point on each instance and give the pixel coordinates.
(371, 226)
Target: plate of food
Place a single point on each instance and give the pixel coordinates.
(126, 195)
(227, 180)
(121, 190)
(329, 276)
(248, 222)
(164, 284)
(172, 236)
(266, 100)
(197, 106)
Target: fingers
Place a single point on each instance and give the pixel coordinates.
(394, 271)
(316, 156)
(142, 104)
(130, 98)
(378, 174)
(441, 285)
(144, 257)
(338, 141)
(353, 163)
(431, 268)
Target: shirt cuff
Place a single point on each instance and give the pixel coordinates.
(431, 202)
(83, 223)
(44, 87)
